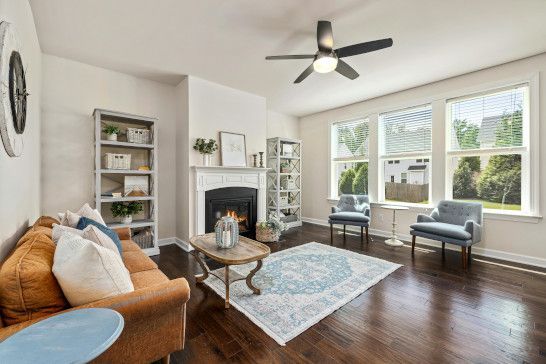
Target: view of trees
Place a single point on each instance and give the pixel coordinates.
(500, 180)
(354, 180)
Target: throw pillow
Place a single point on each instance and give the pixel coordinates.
(71, 219)
(93, 233)
(29, 288)
(60, 230)
(88, 272)
(85, 222)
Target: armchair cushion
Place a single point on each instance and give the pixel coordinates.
(349, 216)
(442, 229)
(425, 218)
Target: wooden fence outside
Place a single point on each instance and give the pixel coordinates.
(406, 192)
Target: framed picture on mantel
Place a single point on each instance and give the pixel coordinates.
(233, 149)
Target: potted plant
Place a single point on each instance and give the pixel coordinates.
(285, 167)
(126, 210)
(270, 230)
(111, 131)
(206, 148)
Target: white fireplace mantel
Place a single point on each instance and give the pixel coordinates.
(214, 177)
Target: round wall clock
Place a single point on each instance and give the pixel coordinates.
(14, 91)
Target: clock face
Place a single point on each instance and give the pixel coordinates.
(17, 92)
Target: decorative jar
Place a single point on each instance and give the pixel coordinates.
(227, 232)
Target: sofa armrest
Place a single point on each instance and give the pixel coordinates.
(435, 214)
(335, 209)
(424, 218)
(367, 211)
(123, 233)
(474, 229)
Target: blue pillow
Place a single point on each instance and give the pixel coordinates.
(85, 222)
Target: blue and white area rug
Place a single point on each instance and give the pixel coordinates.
(301, 286)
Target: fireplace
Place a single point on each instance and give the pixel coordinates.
(237, 202)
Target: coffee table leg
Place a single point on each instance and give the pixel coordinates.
(226, 282)
(200, 277)
(251, 275)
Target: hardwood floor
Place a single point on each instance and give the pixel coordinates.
(428, 311)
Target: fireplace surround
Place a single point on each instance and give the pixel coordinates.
(210, 178)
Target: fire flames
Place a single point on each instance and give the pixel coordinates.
(241, 219)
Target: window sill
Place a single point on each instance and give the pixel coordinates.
(488, 215)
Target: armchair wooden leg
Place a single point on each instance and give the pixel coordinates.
(443, 250)
(469, 254)
(362, 234)
(464, 257)
(344, 228)
(413, 244)
(367, 236)
(166, 359)
(331, 234)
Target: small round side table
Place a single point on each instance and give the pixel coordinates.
(393, 240)
(77, 336)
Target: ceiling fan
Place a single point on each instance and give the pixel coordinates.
(328, 59)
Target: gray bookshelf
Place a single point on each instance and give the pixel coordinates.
(284, 179)
(114, 177)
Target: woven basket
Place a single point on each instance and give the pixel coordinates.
(117, 161)
(138, 136)
(266, 235)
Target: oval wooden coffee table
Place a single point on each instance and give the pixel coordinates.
(246, 251)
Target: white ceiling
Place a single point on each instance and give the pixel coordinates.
(225, 41)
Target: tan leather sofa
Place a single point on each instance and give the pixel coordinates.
(154, 313)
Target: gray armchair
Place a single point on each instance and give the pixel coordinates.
(453, 222)
(353, 210)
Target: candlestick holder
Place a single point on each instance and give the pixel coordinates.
(261, 159)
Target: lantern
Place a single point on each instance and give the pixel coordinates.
(227, 232)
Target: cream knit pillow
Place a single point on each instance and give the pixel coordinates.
(60, 230)
(71, 219)
(88, 272)
(94, 234)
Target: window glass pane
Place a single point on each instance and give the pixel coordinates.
(351, 177)
(406, 130)
(407, 181)
(350, 139)
(489, 121)
(495, 180)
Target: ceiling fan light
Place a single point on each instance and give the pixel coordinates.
(325, 64)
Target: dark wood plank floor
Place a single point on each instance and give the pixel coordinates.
(428, 311)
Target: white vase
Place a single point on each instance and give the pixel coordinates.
(112, 137)
(127, 219)
(207, 159)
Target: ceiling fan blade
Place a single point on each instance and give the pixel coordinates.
(295, 56)
(366, 47)
(304, 74)
(346, 70)
(325, 37)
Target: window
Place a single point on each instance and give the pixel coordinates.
(349, 157)
(406, 135)
(488, 149)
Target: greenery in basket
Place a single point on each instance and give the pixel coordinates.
(205, 146)
(110, 129)
(121, 209)
(273, 223)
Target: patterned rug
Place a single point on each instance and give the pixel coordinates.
(300, 286)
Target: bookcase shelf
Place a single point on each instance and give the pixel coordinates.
(149, 150)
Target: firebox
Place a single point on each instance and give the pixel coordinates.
(237, 202)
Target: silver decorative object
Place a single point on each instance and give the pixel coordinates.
(261, 159)
(227, 232)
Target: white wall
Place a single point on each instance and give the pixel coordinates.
(212, 108)
(182, 159)
(282, 125)
(507, 239)
(20, 177)
(71, 91)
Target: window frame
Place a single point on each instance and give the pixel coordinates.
(333, 187)
(396, 157)
(525, 151)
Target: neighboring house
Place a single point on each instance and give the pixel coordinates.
(413, 171)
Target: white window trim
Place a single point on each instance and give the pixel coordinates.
(332, 192)
(529, 192)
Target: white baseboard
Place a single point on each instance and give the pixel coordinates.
(490, 253)
(176, 241)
